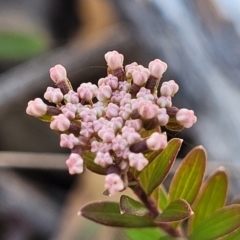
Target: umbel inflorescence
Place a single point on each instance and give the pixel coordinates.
(119, 120)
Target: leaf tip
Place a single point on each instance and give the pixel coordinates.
(79, 213)
(191, 213)
(221, 169)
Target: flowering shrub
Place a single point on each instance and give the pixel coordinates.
(114, 129)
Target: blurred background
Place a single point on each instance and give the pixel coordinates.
(200, 42)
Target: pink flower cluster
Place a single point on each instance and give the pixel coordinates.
(118, 120)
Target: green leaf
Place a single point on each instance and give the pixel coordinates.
(211, 197)
(177, 210)
(108, 213)
(218, 224)
(160, 196)
(131, 206)
(235, 235)
(88, 158)
(152, 176)
(144, 234)
(189, 175)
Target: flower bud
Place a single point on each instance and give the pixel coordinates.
(53, 95)
(114, 60)
(157, 141)
(58, 74)
(138, 161)
(36, 108)
(113, 183)
(75, 163)
(68, 141)
(60, 123)
(186, 117)
(157, 68)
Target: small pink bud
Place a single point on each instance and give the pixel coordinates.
(130, 68)
(138, 161)
(104, 93)
(157, 141)
(119, 143)
(125, 111)
(68, 141)
(130, 135)
(162, 116)
(69, 110)
(113, 183)
(71, 97)
(134, 123)
(139, 78)
(110, 80)
(58, 73)
(157, 68)
(75, 163)
(114, 60)
(106, 134)
(164, 102)
(60, 123)
(36, 108)
(147, 109)
(103, 159)
(87, 129)
(186, 117)
(169, 88)
(87, 91)
(112, 110)
(53, 95)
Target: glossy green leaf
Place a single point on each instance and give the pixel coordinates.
(160, 196)
(91, 165)
(177, 210)
(211, 197)
(221, 222)
(189, 175)
(108, 213)
(131, 206)
(235, 235)
(144, 234)
(153, 175)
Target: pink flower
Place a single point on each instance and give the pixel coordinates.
(87, 129)
(140, 77)
(87, 115)
(71, 97)
(60, 123)
(145, 93)
(103, 159)
(115, 123)
(58, 73)
(125, 111)
(110, 80)
(157, 141)
(106, 134)
(104, 93)
(113, 183)
(147, 109)
(68, 141)
(87, 91)
(130, 135)
(169, 88)
(186, 117)
(164, 102)
(119, 143)
(53, 95)
(69, 110)
(75, 163)
(162, 116)
(134, 123)
(117, 96)
(36, 108)
(138, 161)
(157, 68)
(112, 110)
(99, 123)
(130, 68)
(114, 60)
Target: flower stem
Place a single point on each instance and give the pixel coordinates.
(151, 206)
